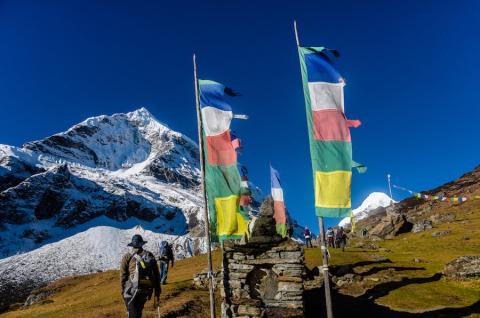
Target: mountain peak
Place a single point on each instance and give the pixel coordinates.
(373, 201)
(143, 117)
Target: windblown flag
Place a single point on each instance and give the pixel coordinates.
(222, 178)
(245, 193)
(279, 213)
(329, 133)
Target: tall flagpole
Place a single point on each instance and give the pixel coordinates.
(326, 277)
(204, 191)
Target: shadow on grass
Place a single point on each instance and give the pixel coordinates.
(345, 306)
(377, 269)
(315, 271)
(383, 289)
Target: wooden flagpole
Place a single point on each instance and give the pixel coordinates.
(326, 278)
(204, 191)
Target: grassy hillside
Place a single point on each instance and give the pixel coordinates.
(400, 277)
(98, 295)
(404, 273)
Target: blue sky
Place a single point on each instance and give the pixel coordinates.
(411, 69)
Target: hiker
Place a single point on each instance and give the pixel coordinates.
(330, 239)
(187, 247)
(364, 232)
(308, 237)
(341, 238)
(139, 278)
(164, 258)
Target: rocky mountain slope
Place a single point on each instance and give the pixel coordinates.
(418, 214)
(121, 167)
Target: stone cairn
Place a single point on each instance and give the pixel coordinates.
(263, 277)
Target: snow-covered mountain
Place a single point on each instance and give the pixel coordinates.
(70, 202)
(370, 204)
(121, 167)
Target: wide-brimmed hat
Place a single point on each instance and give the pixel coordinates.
(137, 241)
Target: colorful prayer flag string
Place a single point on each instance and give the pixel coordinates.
(454, 199)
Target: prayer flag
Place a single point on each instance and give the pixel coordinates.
(329, 132)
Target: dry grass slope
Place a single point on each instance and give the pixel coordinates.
(98, 295)
(395, 286)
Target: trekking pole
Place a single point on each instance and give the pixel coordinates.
(158, 310)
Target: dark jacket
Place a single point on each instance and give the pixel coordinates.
(127, 270)
(167, 254)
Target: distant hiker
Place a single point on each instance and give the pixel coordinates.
(330, 239)
(364, 232)
(165, 258)
(341, 238)
(187, 246)
(139, 277)
(308, 237)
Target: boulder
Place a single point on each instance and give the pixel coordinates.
(442, 218)
(390, 226)
(463, 268)
(440, 233)
(422, 226)
(264, 229)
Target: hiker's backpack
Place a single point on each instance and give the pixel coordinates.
(164, 251)
(143, 276)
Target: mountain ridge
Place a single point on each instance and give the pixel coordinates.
(120, 166)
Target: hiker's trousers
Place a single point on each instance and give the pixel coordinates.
(135, 307)
(163, 271)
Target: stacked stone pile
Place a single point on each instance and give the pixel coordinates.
(263, 280)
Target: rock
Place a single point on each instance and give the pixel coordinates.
(422, 226)
(440, 233)
(200, 280)
(390, 226)
(418, 260)
(378, 258)
(264, 229)
(37, 297)
(463, 268)
(249, 310)
(345, 280)
(366, 245)
(442, 218)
